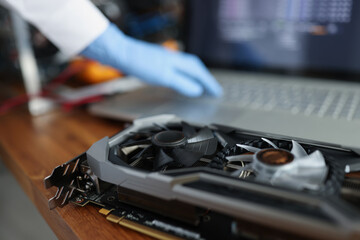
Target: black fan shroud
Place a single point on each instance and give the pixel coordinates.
(163, 147)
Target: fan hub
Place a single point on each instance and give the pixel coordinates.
(169, 138)
(274, 157)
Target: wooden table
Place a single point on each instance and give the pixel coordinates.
(31, 147)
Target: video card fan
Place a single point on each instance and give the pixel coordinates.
(277, 166)
(169, 147)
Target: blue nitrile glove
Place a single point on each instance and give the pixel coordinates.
(153, 64)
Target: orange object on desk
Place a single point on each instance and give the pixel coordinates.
(94, 72)
(171, 44)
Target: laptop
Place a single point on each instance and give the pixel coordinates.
(287, 67)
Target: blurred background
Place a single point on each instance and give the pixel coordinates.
(156, 21)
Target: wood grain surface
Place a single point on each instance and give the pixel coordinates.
(31, 147)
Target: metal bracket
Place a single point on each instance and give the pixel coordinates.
(65, 178)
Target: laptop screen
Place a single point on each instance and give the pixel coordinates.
(320, 36)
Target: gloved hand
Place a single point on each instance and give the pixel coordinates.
(153, 64)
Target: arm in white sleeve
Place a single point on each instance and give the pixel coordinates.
(70, 24)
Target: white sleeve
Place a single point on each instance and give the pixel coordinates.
(70, 24)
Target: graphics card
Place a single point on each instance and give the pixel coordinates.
(175, 180)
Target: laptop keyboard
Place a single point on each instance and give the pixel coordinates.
(321, 102)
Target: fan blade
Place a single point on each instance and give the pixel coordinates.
(140, 142)
(161, 159)
(224, 139)
(204, 134)
(313, 175)
(309, 172)
(187, 158)
(143, 152)
(188, 130)
(249, 148)
(243, 158)
(297, 150)
(310, 178)
(207, 147)
(161, 126)
(129, 150)
(286, 180)
(352, 165)
(313, 160)
(270, 143)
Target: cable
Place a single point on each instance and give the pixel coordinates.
(47, 91)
